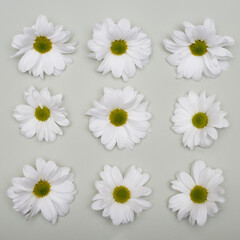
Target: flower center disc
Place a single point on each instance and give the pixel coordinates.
(42, 114)
(199, 194)
(42, 44)
(119, 47)
(41, 189)
(200, 120)
(121, 194)
(198, 48)
(118, 117)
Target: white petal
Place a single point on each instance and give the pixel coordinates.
(124, 24)
(28, 60)
(210, 25)
(40, 164)
(144, 204)
(201, 215)
(180, 38)
(60, 204)
(57, 60)
(186, 179)
(197, 167)
(106, 175)
(212, 64)
(47, 64)
(43, 27)
(141, 191)
(116, 214)
(179, 186)
(116, 176)
(29, 172)
(108, 134)
(98, 205)
(48, 210)
(117, 66)
(65, 187)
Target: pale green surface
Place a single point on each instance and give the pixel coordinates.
(160, 154)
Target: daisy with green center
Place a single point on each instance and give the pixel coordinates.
(199, 193)
(199, 51)
(43, 47)
(120, 197)
(120, 47)
(198, 117)
(48, 189)
(120, 117)
(42, 115)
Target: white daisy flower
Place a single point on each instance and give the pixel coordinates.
(120, 48)
(120, 197)
(199, 193)
(42, 115)
(197, 117)
(48, 189)
(120, 117)
(198, 50)
(43, 47)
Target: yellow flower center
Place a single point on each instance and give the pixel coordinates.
(121, 194)
(118, 117)
(119, 47)
(200, 120)
(42, 44)
(42, 113)
(41, 189)
(198, 48)
(199, 194)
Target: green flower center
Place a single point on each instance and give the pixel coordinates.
(41, 189)
(199, 194)
(119, 47)
(121, 194)
(118, 117)
(42, 44)
(198, 48)
(200, 120)
(42, 113)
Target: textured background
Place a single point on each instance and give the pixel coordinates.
(160, 154)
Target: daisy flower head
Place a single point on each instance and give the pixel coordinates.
(120, 117)
(43, 48)
(198, 117)
(46, 188)
(199, 193)
(199, 51)
(120, 48)
(120, 197)
(42, 115)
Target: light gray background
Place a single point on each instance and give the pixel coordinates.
(160, 154)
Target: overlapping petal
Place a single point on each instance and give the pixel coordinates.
(184, 205)
(210, 63)
(122, 65)
(136, 127)
(53, 204)
(28, 122)
(194, 103)
(52, 62)
(134, 180)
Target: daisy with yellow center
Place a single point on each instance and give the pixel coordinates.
(199, 51)
(120, 117)
(199, 193)
(42, 115)
(198, 117)
(43, 47)
(120, 48)
(120, 197)
(48, 189)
